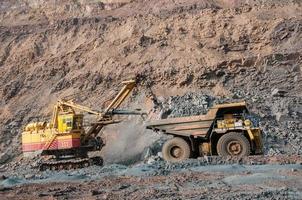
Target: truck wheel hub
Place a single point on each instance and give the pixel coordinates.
(234, 148)
(176, 152)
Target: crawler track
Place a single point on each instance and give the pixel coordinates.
(70, 164)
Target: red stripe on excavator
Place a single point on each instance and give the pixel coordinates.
(61, 144)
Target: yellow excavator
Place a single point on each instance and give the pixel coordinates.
(65, 138)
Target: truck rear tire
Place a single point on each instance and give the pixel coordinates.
(233, 144)
(176, 149)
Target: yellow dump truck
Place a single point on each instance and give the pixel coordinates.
(225, 131)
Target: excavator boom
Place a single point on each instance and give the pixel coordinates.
(106, 118)
(121, 96)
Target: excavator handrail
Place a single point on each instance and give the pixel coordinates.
(120, 97)
(79, 107)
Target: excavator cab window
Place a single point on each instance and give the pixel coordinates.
(65, 123)
(78, 122)
(69, 123)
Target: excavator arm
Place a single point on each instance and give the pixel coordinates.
(121, 96)
(110, 110)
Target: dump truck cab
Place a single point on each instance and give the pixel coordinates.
(224, 130)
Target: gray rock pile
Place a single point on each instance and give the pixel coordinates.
(188, 104)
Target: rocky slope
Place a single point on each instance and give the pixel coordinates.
(228, 50)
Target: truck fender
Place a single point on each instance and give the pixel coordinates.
(250, 134)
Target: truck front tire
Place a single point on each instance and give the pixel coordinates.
(233, 144)
(176, 149)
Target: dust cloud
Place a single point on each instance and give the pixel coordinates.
(127, 141)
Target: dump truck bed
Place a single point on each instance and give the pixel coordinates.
(192, 125)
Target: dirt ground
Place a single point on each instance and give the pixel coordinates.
(185, 185)
(206, 178)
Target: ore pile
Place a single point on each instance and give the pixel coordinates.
(186, 105)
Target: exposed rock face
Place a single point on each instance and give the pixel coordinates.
(224, 49)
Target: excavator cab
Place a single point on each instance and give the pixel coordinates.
(69, 122)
